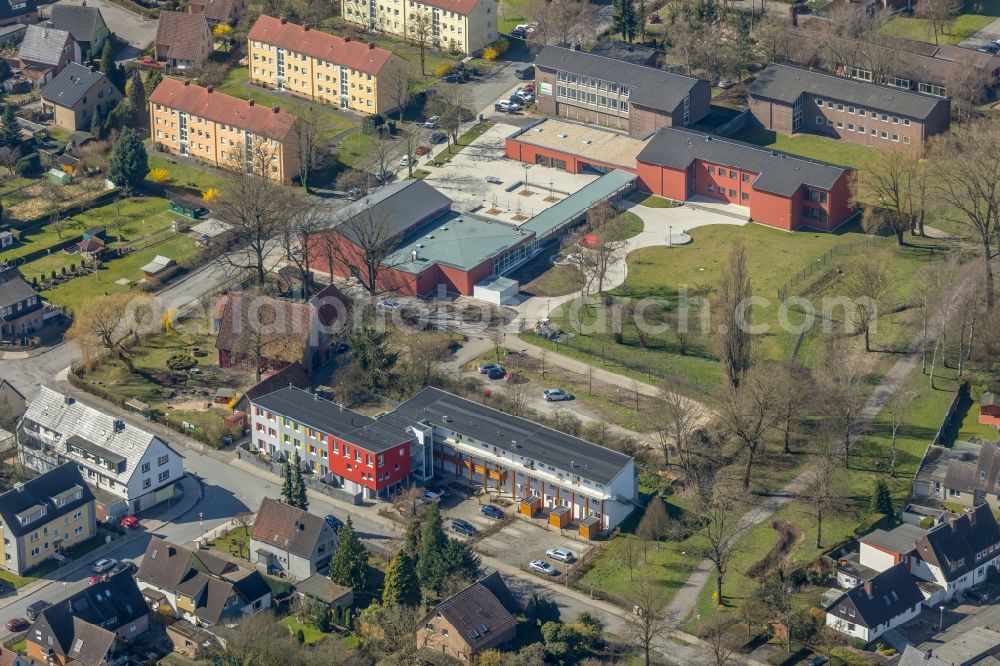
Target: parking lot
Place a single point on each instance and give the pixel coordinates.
(519, 541)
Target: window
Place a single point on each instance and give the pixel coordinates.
(732, 192)
(850, 127)
(906, 140)
(145, 467)
(711, 169)
(164, 475)
(819, 120)
(745, 196)
(146, 483)
(862, 113)
(850, 109)
(906, 122)
(746, 178)
(819, 102)
(884, 134)
(162, 460)
(732, 174)
(710, 188)
(829, 121)
(829, 105)
(895, 120)
(895, 137)
(931, 89)
(840, 107)
(840, 125)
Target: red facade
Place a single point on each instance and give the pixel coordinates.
(524, 152)
(375, 471)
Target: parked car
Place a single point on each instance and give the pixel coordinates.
(989, 47)
(384, 176)
(421, 150)
(494, 180)
(94, 580)
(486, 367)
(442, 491)
(556, 394)
(431, 497)
(17, 624)
(655, 19)
(463, 527)
(818, 661)
(387, 304)
(103, 564)
(438, 137)
(355, 193)
(491, 511)
(507, 106)
(404, 161)
(544, 567)
(333, 521)
(529, 86)
(561, 554)
(34, 609)
(523, 95)
(978, 596)
(122, 567)
(496, 373)
(725, 83)
(452, 78)
(130, 523)
(519, 33)
(432, 122)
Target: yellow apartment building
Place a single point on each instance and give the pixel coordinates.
(319, 66)
(218, 129)
(464, 26)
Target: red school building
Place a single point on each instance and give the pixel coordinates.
(780, 190)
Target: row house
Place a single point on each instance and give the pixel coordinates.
(459, 26)
(128, 468)
(605, 91)
(223, 131)
(318, 66)
(965, 474)
(43, 516)
(789, 100)
(872, 608)
(959, 553)
(351, 450)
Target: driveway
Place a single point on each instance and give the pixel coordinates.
(137, 30)
(991, 33)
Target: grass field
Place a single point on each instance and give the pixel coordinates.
(234, 544)
(512, 12)
(812, 146)
(188, 178)
(310, 633)
(651, 200)
(921, 30)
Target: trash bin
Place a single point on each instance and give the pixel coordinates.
(481, 117)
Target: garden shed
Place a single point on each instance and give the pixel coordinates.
(187, 207)
(59, 177)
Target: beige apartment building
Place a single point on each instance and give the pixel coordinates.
(186, 119)
(465, 26)
(319, 66)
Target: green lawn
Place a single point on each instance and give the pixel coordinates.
(651, 200)
(193, 180)
(15, 580)
(811, 146)
(234, 544)
(409, 52)
(921, 30)
(631, 226)
(354, 148)
(512, 12)
(309, 632)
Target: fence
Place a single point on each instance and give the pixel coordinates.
(949, 417)
(827, 259)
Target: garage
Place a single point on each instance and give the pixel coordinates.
(496, 290)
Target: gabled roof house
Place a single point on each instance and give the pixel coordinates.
(869, 610)
(289, 540)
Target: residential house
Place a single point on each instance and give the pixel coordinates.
(458, 26)
(291, 375)
(291, 541)
(316, 65)
(517, 458)
(912, 656)
(92, 627)
(479, 617)
(198, 586)
(86, 24)
(877, 551)
(874, 607)
(218, 11)
(44, 516)
(12, 404)
(128, 468)
(19, 13)
(183, 41)
(269, 334)
(776, 189)
(211, 127)
(21, 307)
(605, 91)
(351, 450)
(966, 474)
(978, 646)
(790, 99)
(190, 640)
(989, 409)
(73, 97)
(10, 658)
(44, 52)
(959, 553)
(320, 589)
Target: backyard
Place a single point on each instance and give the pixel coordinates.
(975, 16)
(811, 146)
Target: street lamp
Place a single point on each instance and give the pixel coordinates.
(201, 521)
(941, 621)
(670, 236)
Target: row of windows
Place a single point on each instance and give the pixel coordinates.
(593, 98)
(861, 130)
(862, 112)
(722, 172)
(613, 88)
(744, 196)
(17, 307)
(45, 530)
(814, 213)
(36, 551)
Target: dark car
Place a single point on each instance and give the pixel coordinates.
(519, 33)
(333, 521)
(122, 567)
(341, 348)
(36, 608)
(491, 511)
(452, 78)
(496, 373)
(438, 137)
(818, 661)
(17, 624)
(485, 368)
(978, 596)
(463, 527)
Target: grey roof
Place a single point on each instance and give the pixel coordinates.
(981, 474)
(323, 589)
(785, 83)
(400, 206)
(653, 88)
(320, 414)
(43, 45)
(496, 428)
(777, 172)
(901, 539)
(70, 417)
(969, 646)
(913, 656)
(989, 399)
(41, 491)
(72, 84)
(79, 20)
(888, 595)
(13, 287)
(954, 546)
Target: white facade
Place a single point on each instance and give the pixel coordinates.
(931, 573)
(868, 634)
(875, 558)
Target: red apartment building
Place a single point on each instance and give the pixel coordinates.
(354, 451)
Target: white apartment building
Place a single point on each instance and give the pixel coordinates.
(465, 26)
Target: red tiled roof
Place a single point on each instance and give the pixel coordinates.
(221, 108)
(318, 44)
(181, 35)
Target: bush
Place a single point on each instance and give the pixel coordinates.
(500, 46)
(29, 165)
(926, 522)
(444, 69)
(858, 643)
(210, 195)
(159, 175)
(490, 54)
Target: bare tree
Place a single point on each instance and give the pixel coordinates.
(365, 246)
(264, 329)
(648, 620)
(655, 523)
(774, 38)
(717, 635)
(399, 81)
(967, 88)
(734, 341)
(415, 136)
(792, 385)
(352, 179)
(255, 205)
(940, 14)
(306, 220)
(868, 284)
(306, 143)
(901, 401)
(675, 421)
(888, 181)
(843, 390)
(8, 159)
(421, 27)
(716, 515)
(452, 103)
(562, 22)
(111, 325)
(381, 156)
(819, 494)
(749, 413)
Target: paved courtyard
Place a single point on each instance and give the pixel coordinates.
(991, 33)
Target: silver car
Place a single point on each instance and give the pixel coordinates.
(561, 554)
(552, 395)
(544, 567)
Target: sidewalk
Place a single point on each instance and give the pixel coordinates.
(190, 495)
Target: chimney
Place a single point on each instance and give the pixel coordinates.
(210, 88)
(868, 588)
(19, 487)
(284, 20)
(347, 39)
(249, 102)
(275, 109)
(305, 27)
(371, 45)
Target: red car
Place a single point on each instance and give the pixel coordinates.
(17, 624)
(529, 86)
(130, 522)
(94, 580)
(421, 150)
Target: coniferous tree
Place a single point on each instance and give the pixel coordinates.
(97, 125)
(411, 542)
(152, 80)
(461, 560)
(349, 566)
(10, 131)
(401, 584)
(300, 497)
(287, 491)
(129, 163)
(882, 501)
(431, 566)
(136, 95)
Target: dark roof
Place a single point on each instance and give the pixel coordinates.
(13, 287)
(778, 173)
(953, 545)
(889, 594)
(323, 589)
(913, 656)
(496, 428)
(70, 86)
(400, 206)
(631, 53)
(982, 474)
(653, 88)
(494, 583)
(285, 527)
(477, 615)
(321, 414)
(7, 10)
(250, 585)
(79, 20)
(42, 491)
(785, 83)
(220, 11)
(291, 375)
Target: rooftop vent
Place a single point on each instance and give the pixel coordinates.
(563, 136)
(586, 142)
